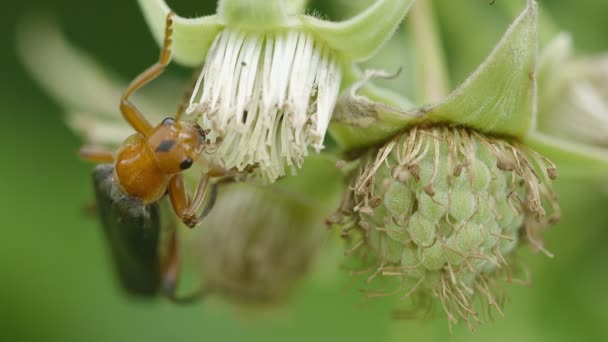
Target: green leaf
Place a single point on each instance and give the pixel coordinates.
(359, 38)
(500, 96)
(192, 38)
(573, 160)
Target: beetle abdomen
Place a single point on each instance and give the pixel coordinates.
(133, 232)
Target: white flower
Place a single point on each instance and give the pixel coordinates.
(271, 75)
(269, 96)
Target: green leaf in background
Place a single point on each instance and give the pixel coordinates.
(573, 110)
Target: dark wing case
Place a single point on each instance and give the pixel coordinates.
(133, 232)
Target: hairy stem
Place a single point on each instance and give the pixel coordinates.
(434, 83)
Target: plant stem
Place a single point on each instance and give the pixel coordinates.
(433, 79)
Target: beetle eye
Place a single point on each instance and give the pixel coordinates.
(168, 122)
(186, 163)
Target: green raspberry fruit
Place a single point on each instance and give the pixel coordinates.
(258, 244)
(442, 209)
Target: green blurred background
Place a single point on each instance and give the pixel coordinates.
(55, 278)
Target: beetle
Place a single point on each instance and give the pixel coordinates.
(130, 183)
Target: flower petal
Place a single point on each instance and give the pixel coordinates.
(359, 38)
(500, 96)
(191, 37)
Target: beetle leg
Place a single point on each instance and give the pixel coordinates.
(185, 207)
(212, 197)
(170, 267)
(96, 154)
(178, 195)
(129, 111)
(181, 202)
(170, 274)
(199, 196)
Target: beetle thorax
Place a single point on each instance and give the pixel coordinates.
(137, 170)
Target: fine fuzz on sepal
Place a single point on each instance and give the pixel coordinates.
(498, 98)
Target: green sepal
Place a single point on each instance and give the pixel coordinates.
(360, 37)
(293, 7)
(366, 114)
(500, 96)
(192, 38)
(355, 39)
(575, 161)
(252, 14)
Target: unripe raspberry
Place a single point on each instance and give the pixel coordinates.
(258, 244)
(443, 208)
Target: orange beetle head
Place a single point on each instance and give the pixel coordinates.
(177, 144)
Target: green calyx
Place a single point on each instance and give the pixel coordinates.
(353, 40)
(499, 97)
(271, 75)
(442, 207)
(252, 13)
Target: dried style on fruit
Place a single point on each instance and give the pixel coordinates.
(442, 209)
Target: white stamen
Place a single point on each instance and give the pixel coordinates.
(268, 96)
